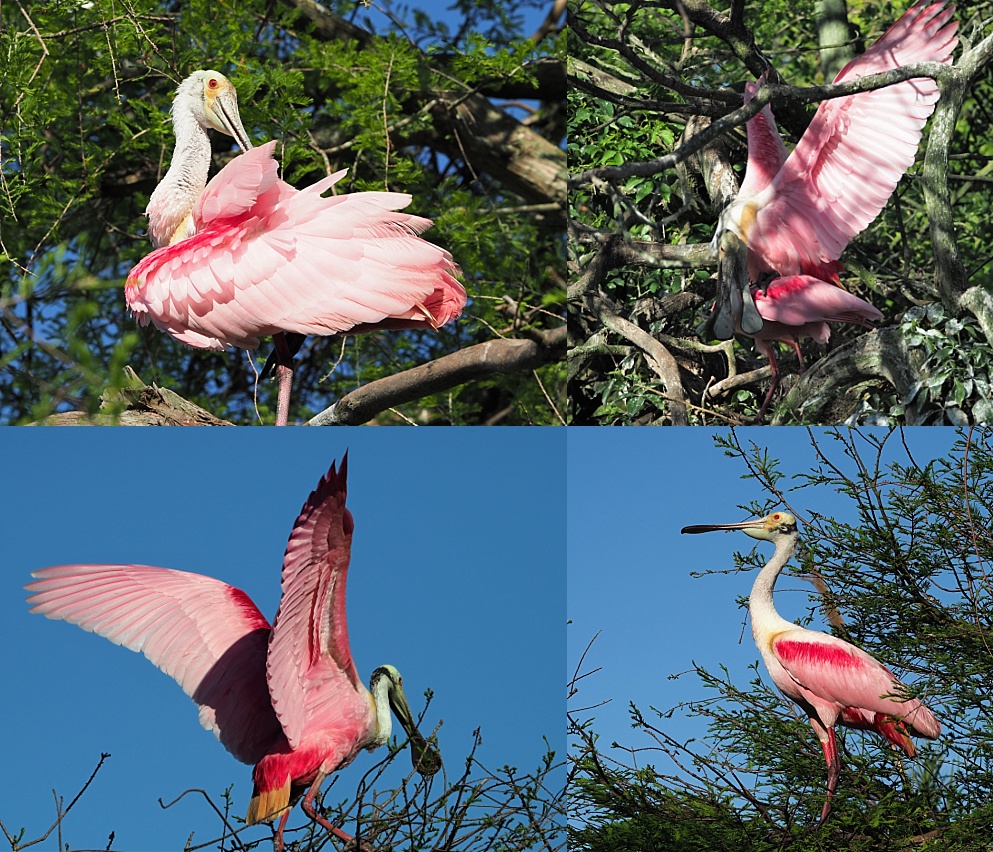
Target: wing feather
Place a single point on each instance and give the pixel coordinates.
(312, 678)
(848, 162)
(269, 258)
(206, 635)
(832, 671)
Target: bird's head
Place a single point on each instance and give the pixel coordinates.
(387, 684)
(212, 99)
(774, 527)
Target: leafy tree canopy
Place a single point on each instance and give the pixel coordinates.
(405, 99)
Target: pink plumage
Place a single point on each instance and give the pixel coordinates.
(267, 258)
(797, 213)
(832, 681)
(247, 255)
(802, 306)
(286, 698)
(185, 624)
(845, 685)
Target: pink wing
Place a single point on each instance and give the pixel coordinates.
(855, 151)
(312, 678)
(766, 151)
(800, 299)
(836, 672)
(206, 635)
(269, 258)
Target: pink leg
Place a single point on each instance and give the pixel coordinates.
(830, 746)
(308, 808)
(284, 378)
(799, 356)
(279, 830)
(771, 355)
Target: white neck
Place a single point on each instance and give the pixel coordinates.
(174, 198)
(760, 606)
(384, 718)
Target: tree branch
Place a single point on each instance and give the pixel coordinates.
(766, 94)
(140, 405)
(950, 274)
(477, 362)
(470, 127)
(882, 354)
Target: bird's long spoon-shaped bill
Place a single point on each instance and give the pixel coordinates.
(770, 528)
(755, 523)
(222, 113)
(425, 758)
(732, 268)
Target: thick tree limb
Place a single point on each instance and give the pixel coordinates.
(477, 362)
(950, 273)
(882, 354)
(493, 141)
(638, 253)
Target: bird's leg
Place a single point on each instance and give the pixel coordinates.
(799, 355)
(284, 377)
(830, 746)
(308, 808)
(767, 349)
(279, 829)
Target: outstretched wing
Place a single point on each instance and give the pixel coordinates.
(206, 635)
(269, 258)
(312, 677)
(847, 164)
(766, 151)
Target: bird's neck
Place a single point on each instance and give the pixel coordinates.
(384, 718)
(172, 203)
(761, 609)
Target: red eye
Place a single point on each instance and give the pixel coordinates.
(212, 83)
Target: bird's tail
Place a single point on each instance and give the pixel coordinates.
(266, 805)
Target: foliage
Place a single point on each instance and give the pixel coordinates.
(85, 136)
(908, 580)
(645, 78)
(480, 809)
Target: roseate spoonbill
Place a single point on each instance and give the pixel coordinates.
(247, 255)
(285, 697)
(831, 680)
(795, 213)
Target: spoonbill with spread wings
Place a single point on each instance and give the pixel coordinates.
(285, 697)
(795, 213)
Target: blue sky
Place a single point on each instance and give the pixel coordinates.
(457, 578)
(630, 493)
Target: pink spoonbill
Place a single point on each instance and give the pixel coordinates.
(831, 680)
(286, 697)
(247, 255)
(796, 212)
